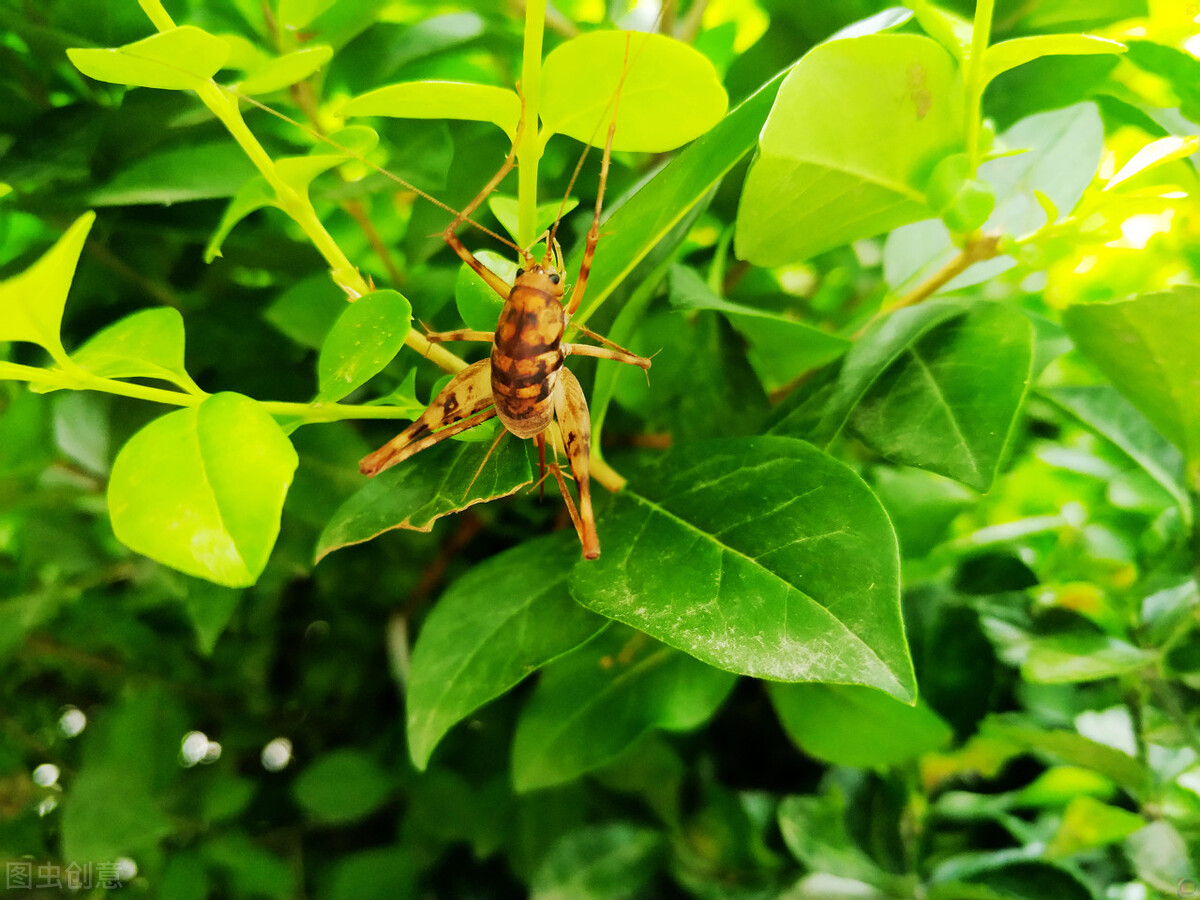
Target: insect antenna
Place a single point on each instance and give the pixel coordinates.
(355, 155)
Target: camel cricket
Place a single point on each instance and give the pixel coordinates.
(524, 382)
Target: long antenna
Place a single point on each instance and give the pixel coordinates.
(355, 155)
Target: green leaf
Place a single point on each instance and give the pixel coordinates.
(505, 209)
(286, 70)
(1073, 748)
(180, 59)
(201, 489)
(650, 214)
(855, 726)
(441, 100)
(671, 93)
(1137, 344)
(1069, 658)
(200, 171)
(32, 303)
(249, 869)
(949, 29)
(352, 142)
(109, 814)
(780, 348)
(380, 872)
(364, 339)
(814, 830)
(307, 310)
(950, 402)
(502, 621)
(600, 862)
(882, 346)
(420, 491)
(342, 786)
(1103, 410)
(1010, 54)
(1155, 154)
(813, 189)
(145, 344)
(210, 607)
(1004, 875)
(478, 305)
(254, 194)
(1088, 823)
(963, 201)
(1159, 854)
(762, 556)
(591, 705)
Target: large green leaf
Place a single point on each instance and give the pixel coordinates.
(591, 705)
(855, 131)
(950, 403)
(503, 620)
(1147, 349)
(856, 726)
(32, 303)
(420, 491)
(364, 339)
(202, 489)
(1103, 409)
(762, 556)
(180, 59)
(146, 344)
(649, 215)
(200, 171)
(671, 92)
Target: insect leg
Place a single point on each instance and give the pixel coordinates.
(619, 354)
(463, 403)
(461, 334)
(486, 457)
(570, 407)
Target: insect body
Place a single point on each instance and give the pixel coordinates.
(524, 382)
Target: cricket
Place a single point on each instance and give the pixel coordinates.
(524, 383)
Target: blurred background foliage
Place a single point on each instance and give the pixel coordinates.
(251, 743)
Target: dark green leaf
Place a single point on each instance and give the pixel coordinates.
(416, 493)
(591, 705)
(762, 556)
(342, 786)
(499, 623)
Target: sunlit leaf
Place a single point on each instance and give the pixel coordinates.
(146, 344)
(671, 93)
(441, 100)
(812, 189)
(180, 59)
(201, 489)
(1016, 52)
(364, 339)
(601, 862)
(32, 303)
(285, 70)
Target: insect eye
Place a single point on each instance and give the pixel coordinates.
(555, 279)
(520, 272)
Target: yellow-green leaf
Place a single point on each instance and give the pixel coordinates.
(179, 59)
(286, 70)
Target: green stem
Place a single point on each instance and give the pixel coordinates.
(296, 204)
(530, 151)
(76, 379)
(973, 78)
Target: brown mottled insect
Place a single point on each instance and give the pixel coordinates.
(524, 383)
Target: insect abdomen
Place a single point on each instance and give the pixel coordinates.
(526, 357)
